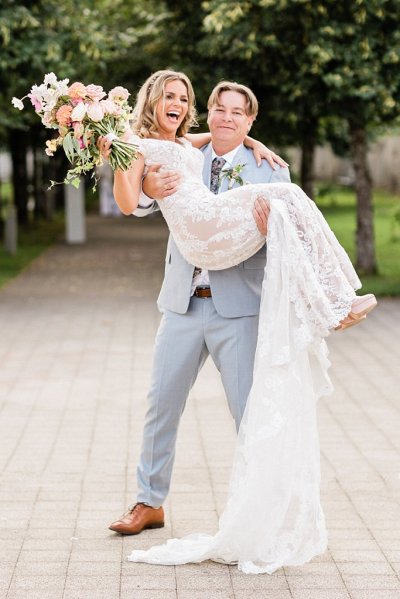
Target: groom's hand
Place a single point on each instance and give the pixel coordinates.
(260, 214)
(160, 184)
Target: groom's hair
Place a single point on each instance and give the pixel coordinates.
(232, 86)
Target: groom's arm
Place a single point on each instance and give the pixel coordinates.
(159, 184)
(146, 206)
(156, 185)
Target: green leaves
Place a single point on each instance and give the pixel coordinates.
(68, 147)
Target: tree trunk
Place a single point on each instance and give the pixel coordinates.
(18, 147)
(37, 182)
(365, 244)
(307, 165)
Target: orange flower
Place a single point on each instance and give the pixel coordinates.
(63, 115)
(77, 91)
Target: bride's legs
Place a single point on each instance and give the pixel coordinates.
(362, 305)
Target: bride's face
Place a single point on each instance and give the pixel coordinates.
(172, 107)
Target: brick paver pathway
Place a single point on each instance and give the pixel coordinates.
(76, 335)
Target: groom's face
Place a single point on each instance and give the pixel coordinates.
(227, 119)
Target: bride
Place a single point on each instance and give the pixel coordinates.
(273, 515)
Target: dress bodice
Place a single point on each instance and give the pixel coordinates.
(212, 231)
(178, 156)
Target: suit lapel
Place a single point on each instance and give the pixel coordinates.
(207, 152)
(240, 156)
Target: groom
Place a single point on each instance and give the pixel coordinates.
(204, 312)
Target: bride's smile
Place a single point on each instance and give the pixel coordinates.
(172, 109)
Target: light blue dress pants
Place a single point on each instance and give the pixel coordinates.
(182, 345)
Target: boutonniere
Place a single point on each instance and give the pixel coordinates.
(232, 175)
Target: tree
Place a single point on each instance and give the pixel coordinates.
(319, 61)
(75, 39)
(273, 44)
(363, 83)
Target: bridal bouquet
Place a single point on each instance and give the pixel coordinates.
(80, 114)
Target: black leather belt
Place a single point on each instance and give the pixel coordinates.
(202, 292)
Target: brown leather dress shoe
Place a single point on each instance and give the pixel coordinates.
(138, 518)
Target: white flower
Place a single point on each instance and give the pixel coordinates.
(51, 103)
(95, 112)
(17, 103)
(118, 94)
(50, 79)
(39, 90)
(50, 95)
(62, 87)
(78, 112)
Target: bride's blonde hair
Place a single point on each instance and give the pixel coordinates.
(145, 120)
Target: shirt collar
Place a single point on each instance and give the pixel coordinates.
(229, 156)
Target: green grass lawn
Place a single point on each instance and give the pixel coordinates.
(338, 205)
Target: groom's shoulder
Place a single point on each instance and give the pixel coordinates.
(251, 161)
(265, 173)
(206, 148)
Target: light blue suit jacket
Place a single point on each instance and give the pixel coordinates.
(236, 291)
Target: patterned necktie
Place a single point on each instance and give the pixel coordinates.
(216, 167)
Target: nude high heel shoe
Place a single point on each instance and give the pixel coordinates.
(361, 306)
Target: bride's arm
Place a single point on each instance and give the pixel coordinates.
(128, 185)
(198, 140)
(261, 151)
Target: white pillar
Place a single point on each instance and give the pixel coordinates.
(11, 231)
(75, 213)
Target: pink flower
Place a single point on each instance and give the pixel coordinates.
(95, 92)
(95, 112)
(118, 94)
(36, 103)
(110, 107)
(78, 130)
(63, 115)
(77, 90)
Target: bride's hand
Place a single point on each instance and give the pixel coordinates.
(104, 146)
(261, 152)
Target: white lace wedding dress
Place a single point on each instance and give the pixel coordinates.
(273, 515)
